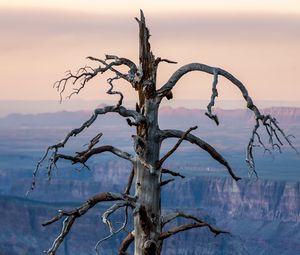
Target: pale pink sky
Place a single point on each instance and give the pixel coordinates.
(257, 42)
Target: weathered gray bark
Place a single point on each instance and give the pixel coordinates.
(147, 225)
(147, 166)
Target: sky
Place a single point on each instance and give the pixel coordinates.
(258, 41)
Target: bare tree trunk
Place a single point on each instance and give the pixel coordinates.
(147, 218)
(150, 227)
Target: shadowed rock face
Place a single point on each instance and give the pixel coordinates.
(261, 199)
(263, 217)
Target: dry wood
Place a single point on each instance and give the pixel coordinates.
(147, 166)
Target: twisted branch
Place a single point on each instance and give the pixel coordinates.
(168, 86)
(109, 67)
(139, 118)
(110, 91)
(123, 61)
(109, 224)
(85, 74)
(270, 123)
(212, 99)
(72, 215)
(82, 157)
(110, 211)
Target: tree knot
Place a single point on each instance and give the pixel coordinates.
(150, 246)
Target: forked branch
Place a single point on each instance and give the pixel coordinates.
(118, 62)
(105, 220)
(274, 132)
(82, 157)
(267, 121)
(170, 152)
(168, 86)
(171, 133)
(72, 215)
(122, 111)
(133, 70)
(85, 74)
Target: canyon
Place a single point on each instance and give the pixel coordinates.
(262, 216)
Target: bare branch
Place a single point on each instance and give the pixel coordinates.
(168, 86)
(85, 74)
(123, 76)
(167, 171)
(94, 141)
(267, 121)
(158, 60)
(202, 144)
(129, 183)
(72, 215)
(272, 128)
(163, 183)
(134, 74)
(139, 118)
(197, 224)
(107, 222)
(126, 243)
(67, 224)
(186, 227)
(131, 123)
(170, 152)
(110, 91)
(82, 157)
(123, 61)
(212, 99)
(110, 211)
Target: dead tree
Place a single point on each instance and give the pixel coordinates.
(150, 226)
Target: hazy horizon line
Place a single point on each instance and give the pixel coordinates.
(8, 107)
